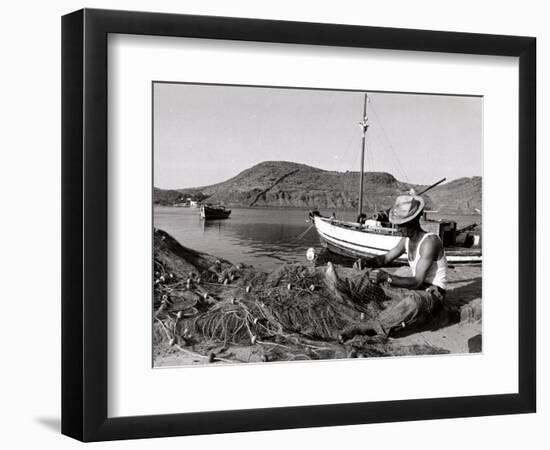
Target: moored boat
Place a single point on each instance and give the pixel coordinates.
(376, 235)
(374, 238)
(213, 212)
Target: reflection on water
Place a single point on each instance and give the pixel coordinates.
(261, 237)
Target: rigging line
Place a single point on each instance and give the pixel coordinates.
(395, 158)
(370, 157)
(389, 142)
(377, 139)
(376, 142)
(400, 169)
(393, 153)
(350, 154)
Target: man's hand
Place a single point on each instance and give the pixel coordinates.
(378, 276)
(365, 263)
(381, 260)
(360, 264)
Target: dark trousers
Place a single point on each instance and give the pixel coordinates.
(406, 307)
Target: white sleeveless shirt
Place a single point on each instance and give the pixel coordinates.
(437, 272)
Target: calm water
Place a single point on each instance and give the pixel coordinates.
(261, 237)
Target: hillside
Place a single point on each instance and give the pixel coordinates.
(293, 185)
(460, 196)
(165, 196)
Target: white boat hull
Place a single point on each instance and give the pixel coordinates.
(347, 240)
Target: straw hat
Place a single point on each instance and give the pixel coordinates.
(406, 208)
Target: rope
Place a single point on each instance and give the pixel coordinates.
(393, 152)
(301, 235)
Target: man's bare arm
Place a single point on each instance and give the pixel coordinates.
(428, 253)
(385, 259)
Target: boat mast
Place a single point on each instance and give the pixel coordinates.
(364, 126)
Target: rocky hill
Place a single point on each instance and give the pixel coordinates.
(460, 196)
(293, 185)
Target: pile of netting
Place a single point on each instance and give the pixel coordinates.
(292, 300)
(205, 304)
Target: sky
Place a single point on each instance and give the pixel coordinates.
(204, 134)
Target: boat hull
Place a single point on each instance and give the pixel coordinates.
(209, 213)
(345, 239)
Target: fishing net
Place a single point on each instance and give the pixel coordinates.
(291, 313)
(291, 300)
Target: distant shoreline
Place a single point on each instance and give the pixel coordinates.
(298, 208)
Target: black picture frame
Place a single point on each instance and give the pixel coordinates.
(84, 224)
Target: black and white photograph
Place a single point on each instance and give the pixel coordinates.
(299, 224)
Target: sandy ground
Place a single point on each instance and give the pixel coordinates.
(459, 330)
(464, 298)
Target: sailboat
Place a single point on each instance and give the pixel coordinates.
(368, 237)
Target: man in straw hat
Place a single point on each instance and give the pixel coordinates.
(417, 298)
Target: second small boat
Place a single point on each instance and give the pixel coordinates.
(214, 212)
